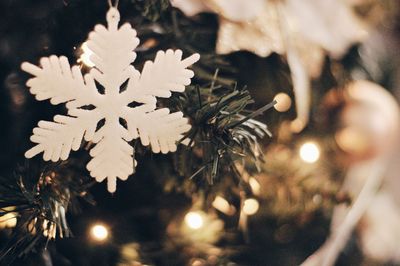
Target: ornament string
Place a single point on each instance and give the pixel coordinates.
(115, 4)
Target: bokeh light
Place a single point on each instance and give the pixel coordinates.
(309, 152)
(194, 220)
(283, 102)
(250, 206)
(223, 206)
(255, 186)
(99, 232)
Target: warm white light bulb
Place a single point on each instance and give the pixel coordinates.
(8, 220)
(255, 186)
(223, 205)
(194, 220)
(309, 152)
(250, 206)
(283, 102)
(99, 232)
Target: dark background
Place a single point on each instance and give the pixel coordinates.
(138, 211)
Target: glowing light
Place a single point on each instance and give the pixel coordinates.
(99, 232)
(250, 206)
(194, 220)
(223, 205)
(317, 199)
(49, 229)
(8, 220)
(283, 102)
(85, 56)
(309, 152)
(198, 262)
(255, 186)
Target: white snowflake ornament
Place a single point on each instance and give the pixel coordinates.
(108, 119)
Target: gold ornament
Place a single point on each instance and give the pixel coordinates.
(368, 122)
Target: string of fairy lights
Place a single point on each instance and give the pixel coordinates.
(309, 152)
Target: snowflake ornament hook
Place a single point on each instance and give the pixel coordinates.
(112, 18)
(115, 4)
(107, 119)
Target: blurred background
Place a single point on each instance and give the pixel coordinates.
(323, 190)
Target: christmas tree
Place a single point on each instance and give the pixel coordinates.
(199, 132)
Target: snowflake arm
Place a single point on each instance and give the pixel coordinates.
(160, 128)
(112, 156)
(57, 139)
(113, 53)
(167, 73)
(57, 81)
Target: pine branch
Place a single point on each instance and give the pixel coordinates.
(223, 130)
(39, 197)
